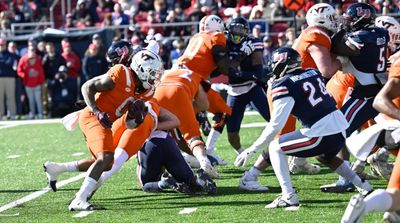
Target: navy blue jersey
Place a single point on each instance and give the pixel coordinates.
(306, 87)
(246, 64)
(373, 53)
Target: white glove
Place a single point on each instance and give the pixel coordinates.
(243, 157)
(247, 47)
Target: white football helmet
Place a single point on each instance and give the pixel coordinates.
(322, 15)
(211, 23)
(393, 26)
(148, 66)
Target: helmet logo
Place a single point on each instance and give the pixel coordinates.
(320, 9)
(122, 50)
(387, 25)
(147, 57)
(365, 13)
(280, 57)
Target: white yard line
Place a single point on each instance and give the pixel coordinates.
(82, 214)
(39, 193)
(187, 210)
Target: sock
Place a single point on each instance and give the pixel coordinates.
(212, 140)
(87, 188)
(239, 151)
(70, 166)
(120, 157)
(281, 167)
(151, 187)
(379, 200)
(254, 172)
(341, 178)
(345, 171)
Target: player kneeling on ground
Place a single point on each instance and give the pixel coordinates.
(302, 93)
(161, 151)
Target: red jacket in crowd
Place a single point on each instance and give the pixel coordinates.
(30, 71)
(73, 64)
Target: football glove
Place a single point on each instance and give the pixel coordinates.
(137, 112)
(243, 157)
(247, 48)
(104, 119)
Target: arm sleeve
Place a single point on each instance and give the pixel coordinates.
(280, 114)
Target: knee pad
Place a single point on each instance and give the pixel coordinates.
(196, 141)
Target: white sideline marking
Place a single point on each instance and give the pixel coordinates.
(13, 156)
(253, 125)
(82, 214)
(188, 210)
(293, 208)
(78, 154)
(9, 215)
(39, 193)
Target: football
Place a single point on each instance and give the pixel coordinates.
(137, 111)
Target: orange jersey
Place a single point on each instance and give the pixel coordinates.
(394, 72)
(131, 140)
(311, 35)
(340, 86)
(115, 102)
(198, 55)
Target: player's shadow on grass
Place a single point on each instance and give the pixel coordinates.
(18, 191)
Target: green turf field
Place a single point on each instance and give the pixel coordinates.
(123, 201)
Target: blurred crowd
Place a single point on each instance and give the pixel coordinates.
(40, 81)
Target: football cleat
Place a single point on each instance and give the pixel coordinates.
(298, 164)
(206, 182)
(355, 210)
(251, 185)
(392, 217)
(218, 160)
(209, 169)
(341, 186)
(52, 171)
(365, 189)
(379, 164)
(284, 201)
(358, 167)
(79, 205)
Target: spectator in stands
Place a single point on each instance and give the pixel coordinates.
(147, 26)
(98, 42)
(5, 27)
(256, 31)
(69, 22)
(81, 16)
(73, 61)
(18, 16)
(63, 93)
(118, 16)
(268, 49)
(31, 71)
(195, 14)
(146, 5)
(164, 52)
(41, 48)
(258, 11)
(32, 42)
(130, 7)
(172, 30)
(245, 7)
(160, 10)
(93, 64)
(281, 39)
(19, 88)
(8, 65)
(52, 61)
(290, 36)
(106, 6)
(177, 51)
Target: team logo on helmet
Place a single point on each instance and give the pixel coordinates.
(280, 57)
(122, 50)
(320, 9)
(365, 13)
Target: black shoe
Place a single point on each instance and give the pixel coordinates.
(206, 182)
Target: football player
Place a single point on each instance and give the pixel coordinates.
(302, 93)
(388, 103)
(107, 99)
(160, 151)
(313, 45)
(178, 88)
(368, 69)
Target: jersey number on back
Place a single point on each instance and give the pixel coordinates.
(193, 47)
(313, 97)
